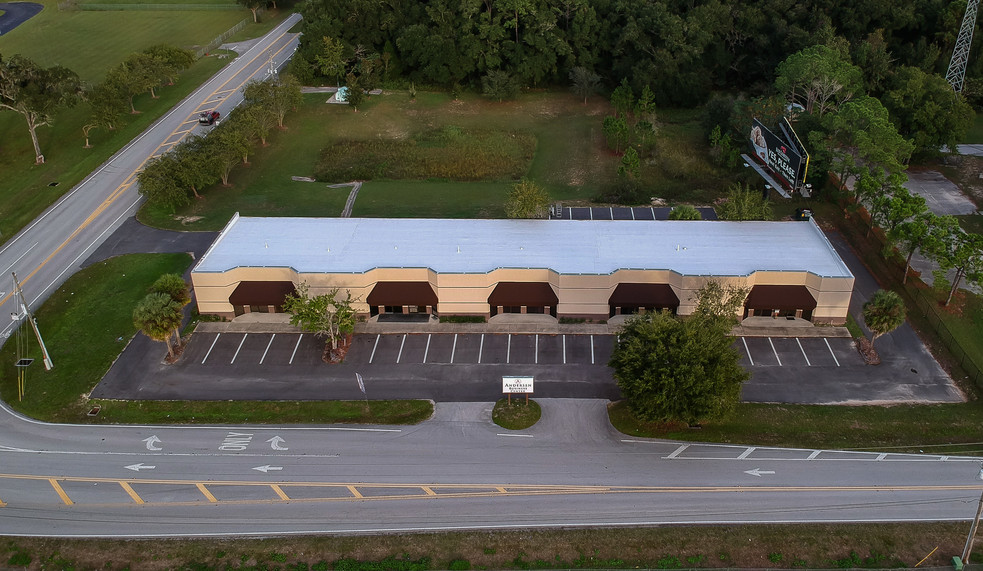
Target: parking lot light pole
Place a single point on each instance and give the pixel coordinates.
(976, 523)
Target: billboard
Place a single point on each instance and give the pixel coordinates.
(787, 159)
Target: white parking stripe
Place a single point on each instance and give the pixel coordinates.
(632, 213)
(748, 351)
(508, 350)
(239, 348)
(374, 345)
(453, 348)
(745, 454)
(481, 347)
(536, 357)
(592, 342)
(263, 358)
(564, 349)
(209, 352)
(831, 351)
(292, 355)
(808, 364)
(427, 350)
(678, 451)
(400, 354)
(775, 352)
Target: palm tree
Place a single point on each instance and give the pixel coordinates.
(884, 313)
(174, 286)
(158, 316)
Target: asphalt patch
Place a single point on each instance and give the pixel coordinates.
(16, 13)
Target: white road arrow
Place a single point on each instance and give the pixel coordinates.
(138, 467)
(758, 471)
(267, 468)
(275, 443)
(151, 441)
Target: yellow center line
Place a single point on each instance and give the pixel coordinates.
(279, 491)
(1, 503)
(428, 491)
(129, 182)
(502, 490)
(204, 491)
(132, 493)
(61, 493)
(354, 492)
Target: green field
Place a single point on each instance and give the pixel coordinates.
(90, 43)
(570, 160)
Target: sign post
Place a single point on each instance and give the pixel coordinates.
(518, 385)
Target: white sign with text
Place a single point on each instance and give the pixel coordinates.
(513, 385)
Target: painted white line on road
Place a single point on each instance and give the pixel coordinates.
(294, 354)
(808, 364)
(374, 345)
(453, 348)
(748, 351)
(239, 348)
(677, 451)
(814, 454)
(881, 456)
(28, 251)
(564, 349)
(481, 346)
(209, 352)
(263, 358)
(777, 358)
(427, 350)
(592, 344)
(831, 352)
(508, 350)
(516, 435)
(536, 357)
(401, 344)
(745, 454)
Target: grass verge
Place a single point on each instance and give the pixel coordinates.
(86, 324)
(762, 546)
(517, 415)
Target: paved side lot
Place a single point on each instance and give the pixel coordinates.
(469, 367)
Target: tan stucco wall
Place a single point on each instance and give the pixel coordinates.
(579, 295)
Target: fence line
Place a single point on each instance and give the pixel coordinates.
(225, 35)
(931, 312)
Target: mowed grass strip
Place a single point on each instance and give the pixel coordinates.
(90, 43)
(796, 546)
(88, 322)
(24, 186)
(935, 429)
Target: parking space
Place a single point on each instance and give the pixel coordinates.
(798, 352)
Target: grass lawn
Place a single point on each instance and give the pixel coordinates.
(86, 324)
(570, 159)
(940, 429)
(518, 415)
(809, 546)
(24, 186)
(90, 43)
(975, 134)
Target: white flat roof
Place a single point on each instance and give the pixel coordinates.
(357, 245)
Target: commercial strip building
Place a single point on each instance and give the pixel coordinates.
(564, 268)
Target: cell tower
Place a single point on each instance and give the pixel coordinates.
(956, 75)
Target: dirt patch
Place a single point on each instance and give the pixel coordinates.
(187, 219)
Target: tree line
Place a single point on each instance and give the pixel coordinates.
(38, 93)
(173, 179)
(682, 49)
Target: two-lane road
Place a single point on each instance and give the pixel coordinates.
(50, 249)
(456, 471)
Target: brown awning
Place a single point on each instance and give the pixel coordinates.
(644, 295)
(261, 293)
(402, 293)
(532, 294)
(785, 297)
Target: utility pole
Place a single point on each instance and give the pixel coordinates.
(34, 325)
(976, 524)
